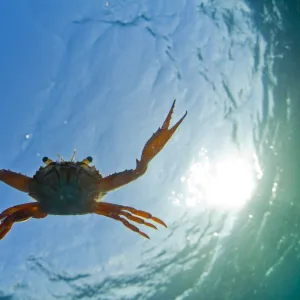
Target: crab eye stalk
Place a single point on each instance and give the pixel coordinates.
(87, 160)
(47, 160)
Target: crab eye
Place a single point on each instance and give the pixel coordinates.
(87, 160)
(46, 160)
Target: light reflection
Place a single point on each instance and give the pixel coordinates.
(226, 183)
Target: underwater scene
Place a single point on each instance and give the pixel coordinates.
(92, 169)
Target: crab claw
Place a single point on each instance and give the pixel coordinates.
(152, 147)
(159, 139)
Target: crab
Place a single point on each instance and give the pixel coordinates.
(77, 188)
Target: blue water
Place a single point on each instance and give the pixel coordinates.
(100, 76)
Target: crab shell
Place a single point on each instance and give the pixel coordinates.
(66, 188)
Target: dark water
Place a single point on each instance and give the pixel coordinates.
(261, 258)
(207, 254)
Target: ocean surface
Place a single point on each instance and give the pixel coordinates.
(100, 76)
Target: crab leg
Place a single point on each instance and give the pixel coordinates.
(17, 208)
(16, 180)
(19, 213)
(152, 147)
(116, 212)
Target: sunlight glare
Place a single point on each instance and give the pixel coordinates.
(226, 184)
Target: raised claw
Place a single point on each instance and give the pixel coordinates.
(159, 138)
(154, 145)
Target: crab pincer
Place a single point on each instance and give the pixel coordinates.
(160, 138)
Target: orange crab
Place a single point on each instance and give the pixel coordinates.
(76, 188)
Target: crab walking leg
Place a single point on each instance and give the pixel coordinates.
(114, 215)
(138, 220)
(16, 180)
(152, 147)
(19, 213)
(22, 207)
(140, 213)
(5, 226)
(116, 211)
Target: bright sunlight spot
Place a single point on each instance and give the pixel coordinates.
(225, 184)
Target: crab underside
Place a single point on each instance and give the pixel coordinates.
(70, 188)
